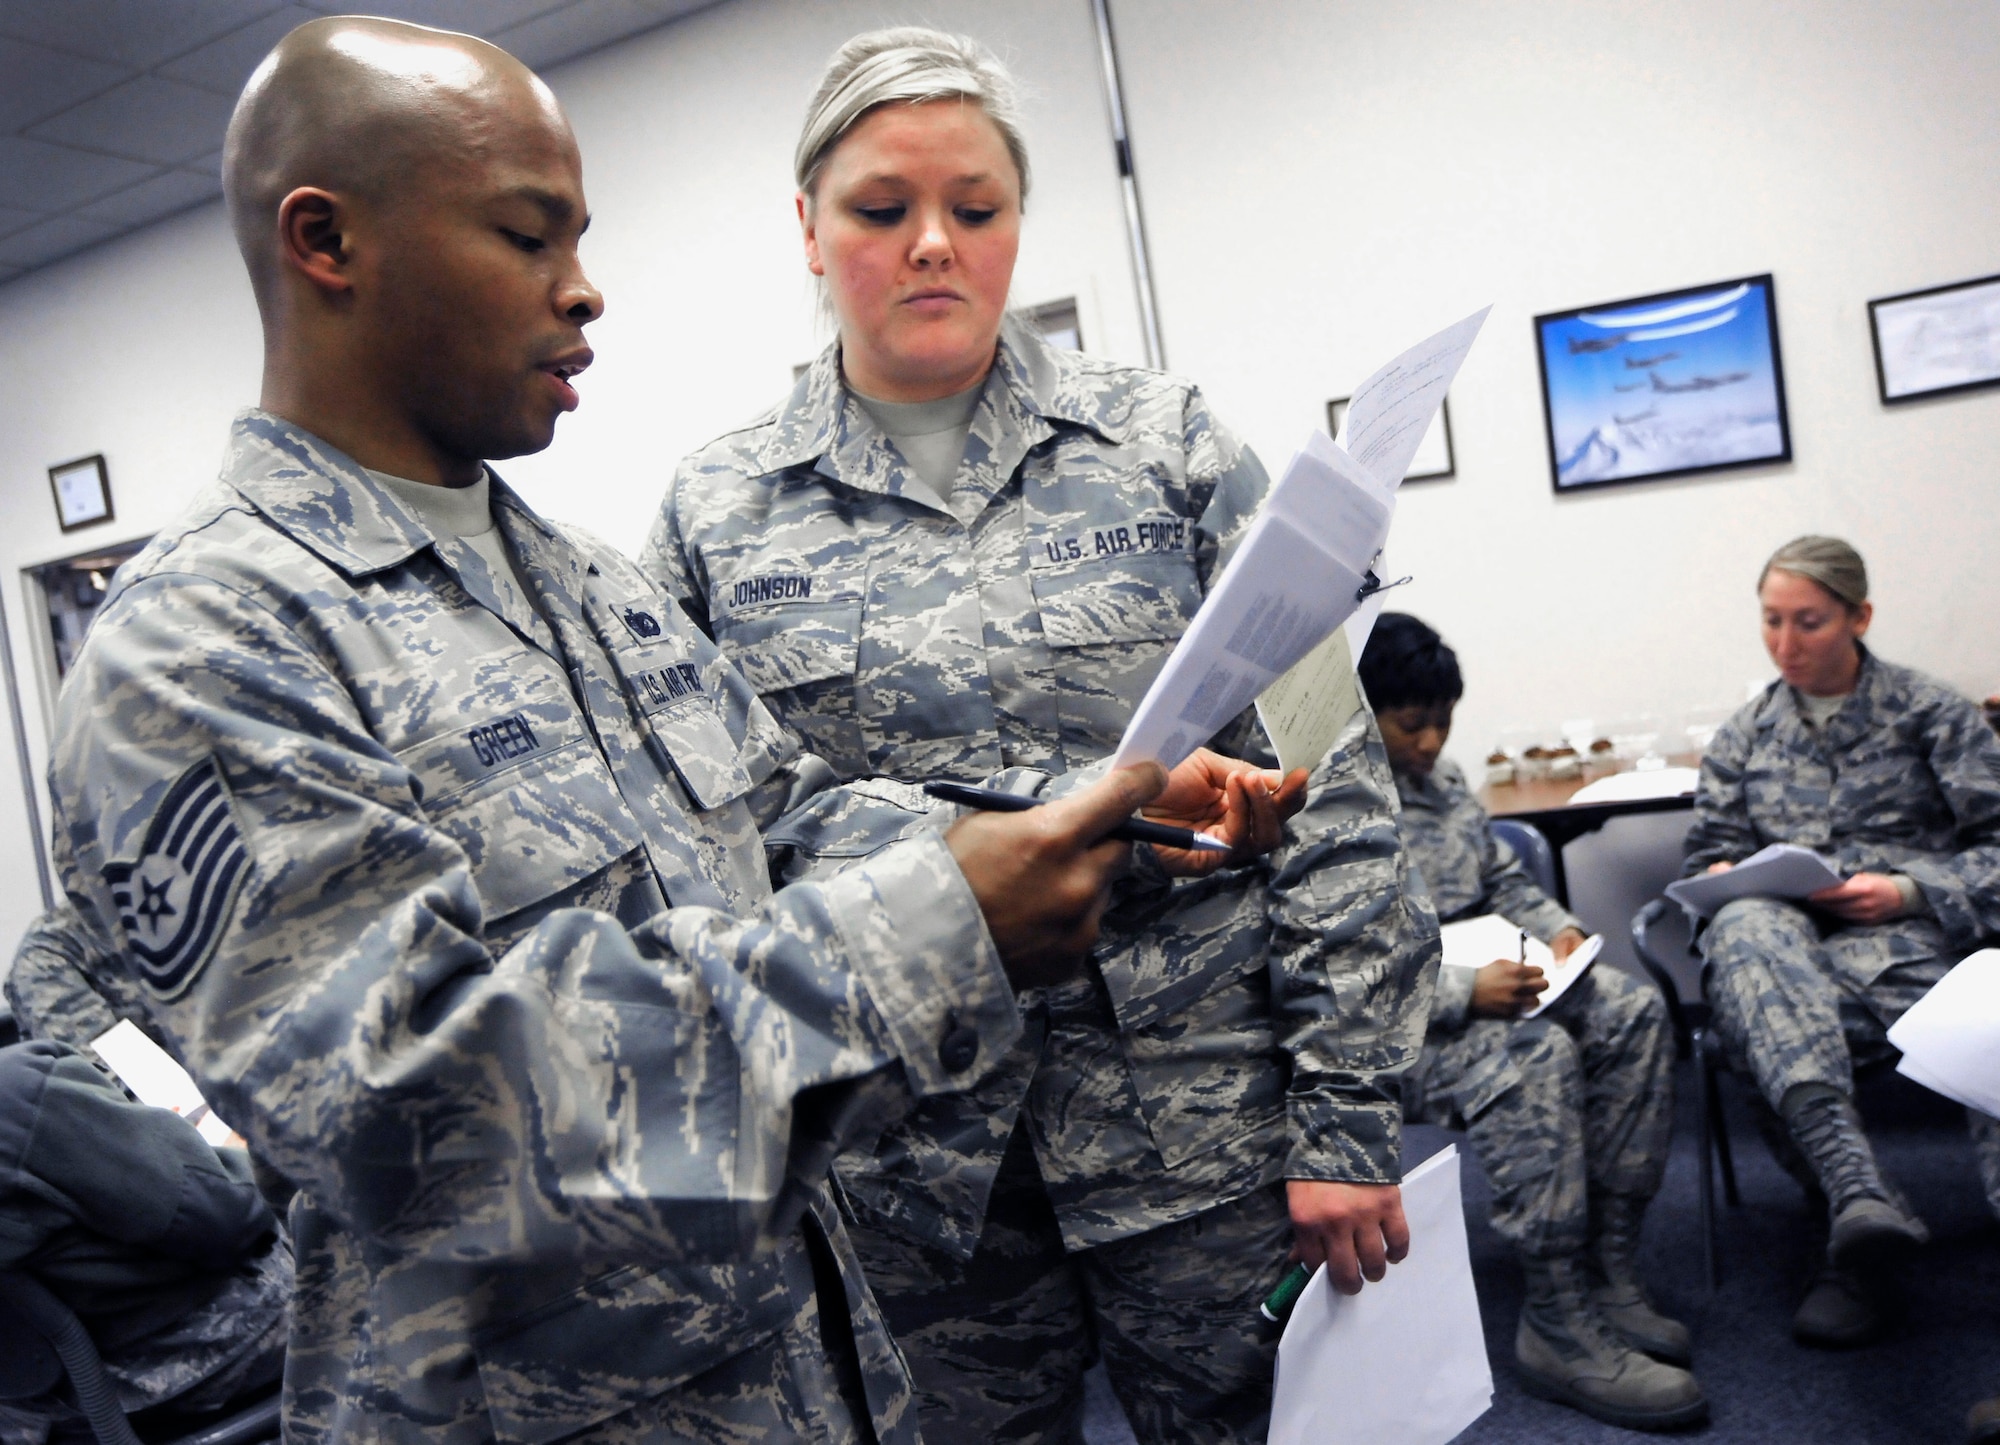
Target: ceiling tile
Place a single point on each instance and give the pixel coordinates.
(12, 220)
(223, 65)
(131, 32)
(581, 26)
(151, 200)
(44, 177)
(147, 118)
(45, 241)
(475, 17)
(36, 81)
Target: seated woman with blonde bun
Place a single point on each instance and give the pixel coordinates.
(1895, 779)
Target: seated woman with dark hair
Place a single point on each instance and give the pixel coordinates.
(1569, 1112)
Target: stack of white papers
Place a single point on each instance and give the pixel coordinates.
(1635, 786)
(150, 1072)
(1476, 942)
(1783, 870)
(1951, 1038)
(1297, 575)
(1403, 1362)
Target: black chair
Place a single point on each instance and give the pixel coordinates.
(43, 1343)
(1665, 948)
(1533, 847)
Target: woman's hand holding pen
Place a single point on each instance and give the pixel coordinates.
(1244, 805)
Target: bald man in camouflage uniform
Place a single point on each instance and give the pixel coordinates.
(1122, 1174)
(1902, 779)
(435, 853)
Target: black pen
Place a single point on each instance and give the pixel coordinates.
(1133, 830)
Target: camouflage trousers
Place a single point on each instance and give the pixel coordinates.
(1575, 1101)
(998, 1344)
(1792, 1007)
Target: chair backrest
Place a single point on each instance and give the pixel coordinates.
(1533, 847)
(1664, 943)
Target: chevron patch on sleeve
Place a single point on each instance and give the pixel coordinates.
(175, 898)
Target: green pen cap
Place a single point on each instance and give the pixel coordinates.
(1277, 1308)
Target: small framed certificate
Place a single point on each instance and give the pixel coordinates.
(83, 492)
(1945, 339)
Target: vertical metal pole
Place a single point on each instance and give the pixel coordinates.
(1135, 224)
(36, 839)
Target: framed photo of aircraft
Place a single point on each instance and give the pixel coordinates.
(1945, 339)
(1664, 386)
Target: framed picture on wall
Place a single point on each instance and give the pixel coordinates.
(1434, 458)
(83, 492)
(1941, 340)
(1664, 386)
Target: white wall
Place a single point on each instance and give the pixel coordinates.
(1326, 181)
(143, 349)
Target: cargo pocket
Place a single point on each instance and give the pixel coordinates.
(623, 1338)
(801, 654)
(1109, 627)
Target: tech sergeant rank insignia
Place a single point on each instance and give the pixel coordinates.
(173, 901)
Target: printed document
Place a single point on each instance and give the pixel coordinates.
(150, 1072)
(1403, 1362)
(1476, 942)
(1297, 575)
(1951, 1037)
(1783, 870)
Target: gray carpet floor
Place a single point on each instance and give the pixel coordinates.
(1911, 1389)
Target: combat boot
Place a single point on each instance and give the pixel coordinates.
(1839, 1312)
(1869, 1227)
(1569, 1355)
(1613, 1266)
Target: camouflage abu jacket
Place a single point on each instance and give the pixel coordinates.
(462, 919)
(1905, 778)
(1469, 872)
(1236, 1032)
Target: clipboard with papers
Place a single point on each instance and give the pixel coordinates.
(1271, 628)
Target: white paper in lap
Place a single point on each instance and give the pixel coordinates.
(1783, 870)
(1951, 1037)
(1403, 1362)
(154, 1078)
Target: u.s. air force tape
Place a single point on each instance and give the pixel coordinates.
(175, 897)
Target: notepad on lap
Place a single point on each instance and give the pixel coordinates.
(1476, 942)
(1783, 870)
(150, 1072)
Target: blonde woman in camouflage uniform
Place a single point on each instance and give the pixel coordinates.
(953, 548)
(1570, 1111)
(1895, 778)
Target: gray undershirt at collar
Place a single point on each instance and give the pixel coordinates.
(467, 514)
(930, 434)
(1819, 711)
